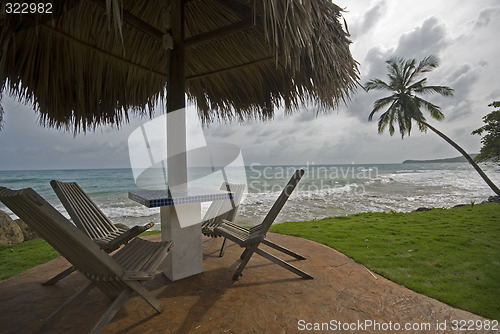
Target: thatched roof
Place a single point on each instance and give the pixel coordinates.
(243, 58)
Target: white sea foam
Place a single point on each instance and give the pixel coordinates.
(319, 194)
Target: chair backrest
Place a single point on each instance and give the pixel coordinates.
(82, 210)
(225, 209)
(280, 202)
(58, 231)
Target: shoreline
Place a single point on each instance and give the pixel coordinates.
(422, 238)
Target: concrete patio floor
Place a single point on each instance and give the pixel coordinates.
(266, 299)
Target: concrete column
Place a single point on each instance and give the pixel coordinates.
(186, 257)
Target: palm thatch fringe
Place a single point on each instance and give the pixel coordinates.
(245, 58)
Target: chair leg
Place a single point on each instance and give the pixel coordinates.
(244, 253)
(282, 249)
(245, 257)
(146, 294)
(283, 264)
(77, 297)
(59, 276)
(111, 311)
(223, 248)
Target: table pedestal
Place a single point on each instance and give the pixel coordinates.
(186, 257)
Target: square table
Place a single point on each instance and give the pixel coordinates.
(180, 216)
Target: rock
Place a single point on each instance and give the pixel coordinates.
(423, 209)
(495, 199)
(28, 233)
(10, 232)
(459, 205)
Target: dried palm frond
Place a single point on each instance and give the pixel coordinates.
(243, 58)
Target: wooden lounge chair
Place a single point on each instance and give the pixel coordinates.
(250, 239)
(220, 210)
(90, 219)
(229, 209)
(117, 276)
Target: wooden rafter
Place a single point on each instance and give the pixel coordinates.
(239, 66)
(135, 22)
(218, 33)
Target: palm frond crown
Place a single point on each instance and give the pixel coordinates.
(405, 105)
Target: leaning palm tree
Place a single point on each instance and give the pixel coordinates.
(1, 113)
(405, 106)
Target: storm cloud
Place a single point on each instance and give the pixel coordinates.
(462, 34)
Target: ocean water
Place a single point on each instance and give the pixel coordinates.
(324, 191)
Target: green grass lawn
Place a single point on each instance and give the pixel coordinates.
(452, 255)
(21, 257)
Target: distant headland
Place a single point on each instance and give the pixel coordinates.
(447, 160)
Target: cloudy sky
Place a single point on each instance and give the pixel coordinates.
(463, 34)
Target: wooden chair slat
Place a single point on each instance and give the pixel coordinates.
(104, 271)
(251, 238)
(87, 216)
(219, 210)
(224, 209)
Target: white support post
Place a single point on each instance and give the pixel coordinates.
(186, 257)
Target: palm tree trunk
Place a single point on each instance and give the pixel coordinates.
(468, 157)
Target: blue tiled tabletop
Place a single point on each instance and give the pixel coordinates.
(157, 198)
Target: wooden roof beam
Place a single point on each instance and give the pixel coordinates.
(101, 51)
(157, 34)
(135, 22)
(207, 74)
(218, 33)
(237, 7)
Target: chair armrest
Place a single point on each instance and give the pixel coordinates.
(252, 240)
(125, 237)
(238, 234)
(137, 275)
